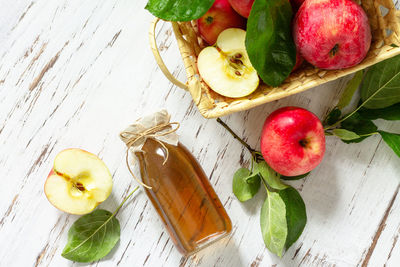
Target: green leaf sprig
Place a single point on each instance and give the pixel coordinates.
(379, 99)
(269, 41)
(179, 10)
(93, 235)
(283, 215)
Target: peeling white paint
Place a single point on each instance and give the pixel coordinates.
(74, 73)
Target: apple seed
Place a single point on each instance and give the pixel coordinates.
(80, 187)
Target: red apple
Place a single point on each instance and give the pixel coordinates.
(332, 34)
(242, 7)
(219, 17)
(292, 141)
(299, 62)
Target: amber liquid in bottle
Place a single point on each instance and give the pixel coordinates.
(183, 196)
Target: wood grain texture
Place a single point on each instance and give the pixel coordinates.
(75, 73)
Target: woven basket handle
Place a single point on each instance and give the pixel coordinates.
(158, 58)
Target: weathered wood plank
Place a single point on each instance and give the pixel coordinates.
(74, 73)
(387, 251)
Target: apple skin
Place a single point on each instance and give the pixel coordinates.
(292, 141)
(243, 7)
(219, 17)
(299, 62)
(332, 34)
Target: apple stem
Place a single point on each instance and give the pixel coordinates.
(252, 151)
(125, 199)
(265, 185)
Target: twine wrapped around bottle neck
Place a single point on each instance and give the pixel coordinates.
(132, 136)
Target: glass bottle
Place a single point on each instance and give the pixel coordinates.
(182, 196)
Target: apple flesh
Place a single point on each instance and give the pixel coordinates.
(292, 141)
(226, 67)
(78, 182)
(219, 17)
(332, 34)
(243, 7)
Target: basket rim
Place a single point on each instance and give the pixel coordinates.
(213, 113)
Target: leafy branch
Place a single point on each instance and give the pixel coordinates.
(380, 99)
(371, 97)
(283, 214)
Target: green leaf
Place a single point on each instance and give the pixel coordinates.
(333, 116)
(245, 185)
(296, 215)
(283, 218)
(273, 223)
(381, 85)
(271, 177)
(390, 113)
(298, 177)
(360, 126)
(269, 40)
(92, 236)
(393, 141)
(345, 134)
(179, 10)
(350, 89)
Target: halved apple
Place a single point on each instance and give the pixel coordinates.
(78, 182)
(226, 67)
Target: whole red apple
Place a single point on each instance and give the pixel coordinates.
(292, 141)
(332, 34)
(242, 7)
(219, 17)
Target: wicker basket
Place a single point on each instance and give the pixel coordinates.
(385, 29)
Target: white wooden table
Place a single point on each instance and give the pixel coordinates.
(74, 73)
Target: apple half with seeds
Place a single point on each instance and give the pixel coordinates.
(78, 182)
(226, 67)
